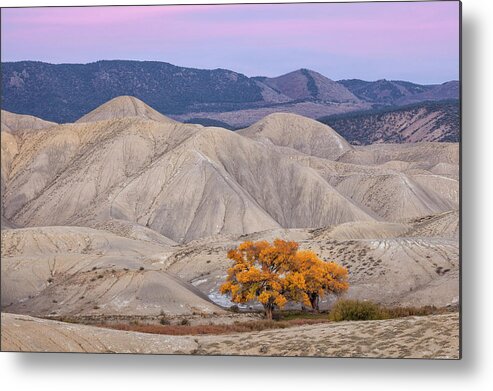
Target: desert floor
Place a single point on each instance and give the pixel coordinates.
(435, 336)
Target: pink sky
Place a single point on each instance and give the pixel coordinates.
(411, 41)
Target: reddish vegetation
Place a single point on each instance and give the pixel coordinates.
(212, 329)
(286, 319)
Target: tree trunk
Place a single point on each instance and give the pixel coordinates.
(268, 311)
(314, 301)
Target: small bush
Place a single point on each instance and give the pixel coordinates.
(234, 308)
(185, 322)
(164, 321)
(141, 268)
(356, 310)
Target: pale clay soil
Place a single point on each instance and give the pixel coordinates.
(433, 336)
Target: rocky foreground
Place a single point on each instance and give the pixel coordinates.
(435, 336)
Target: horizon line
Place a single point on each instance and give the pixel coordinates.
(227, 69)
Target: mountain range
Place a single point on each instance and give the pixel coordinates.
(64, 92)
(396, 92)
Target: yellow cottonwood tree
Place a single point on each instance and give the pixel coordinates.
(278, 273)
(264, 272)
(320, 277)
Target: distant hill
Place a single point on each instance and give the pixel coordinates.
(66, 92)
(12, 123)
(425, 121)
(305, 84)
(448, 90)
(299, 133)
(121, 107)
(397, 92)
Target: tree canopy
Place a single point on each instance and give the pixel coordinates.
(279, 272)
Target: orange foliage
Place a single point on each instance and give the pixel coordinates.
(278, 273)
(321, 277)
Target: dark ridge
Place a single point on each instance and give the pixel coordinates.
(65, 92)
(311, 85)
(367, 127)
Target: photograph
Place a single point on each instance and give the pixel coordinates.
(232, 179)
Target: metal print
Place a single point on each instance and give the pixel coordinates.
(244, 179)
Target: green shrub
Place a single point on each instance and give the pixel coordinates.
(185, 322)
(356, 310)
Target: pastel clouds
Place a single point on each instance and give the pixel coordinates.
(371, 40)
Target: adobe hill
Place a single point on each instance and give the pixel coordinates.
(122, 107)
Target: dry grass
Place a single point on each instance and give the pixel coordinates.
(283, 320)
(215, 329)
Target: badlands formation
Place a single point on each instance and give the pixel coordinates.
(127, 213)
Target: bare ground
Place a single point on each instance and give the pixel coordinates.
(435, 336)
